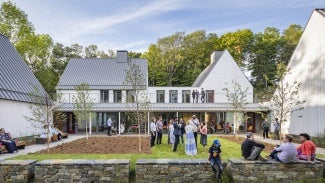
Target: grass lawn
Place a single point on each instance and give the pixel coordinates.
(229, 150)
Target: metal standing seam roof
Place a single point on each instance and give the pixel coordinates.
(165, 107)
(16, 79)
(99, 73)
(199, 80)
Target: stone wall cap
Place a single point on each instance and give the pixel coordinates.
(172, 161)
(83, 162)
(17, 162)
(244, 161)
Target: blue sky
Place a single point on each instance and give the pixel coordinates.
(134, 24)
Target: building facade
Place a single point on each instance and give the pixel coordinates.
(114, 98)
(16, 83)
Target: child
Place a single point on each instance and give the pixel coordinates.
(215, 158)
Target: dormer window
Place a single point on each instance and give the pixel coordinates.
(117, 96)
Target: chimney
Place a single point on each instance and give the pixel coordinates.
(122, 56)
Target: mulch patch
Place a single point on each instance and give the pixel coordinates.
(103, 145)
(268, 147)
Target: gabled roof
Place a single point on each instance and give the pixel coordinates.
(321, 11)
(199, 80)
(108, 73)
(16, 79)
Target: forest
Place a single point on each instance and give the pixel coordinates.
(173, 60)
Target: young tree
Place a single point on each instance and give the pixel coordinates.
(83, 103)
(42, 112)
(136, 80)
(286, 97)
(237, 99)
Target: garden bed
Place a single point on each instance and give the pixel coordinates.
(103, 145)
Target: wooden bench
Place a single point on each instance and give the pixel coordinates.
(19, 145)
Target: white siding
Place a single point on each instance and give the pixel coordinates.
(222, 75)
(67, 95)
(307, 66)
(12, 118)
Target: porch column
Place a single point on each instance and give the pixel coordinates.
(119, 123)
(206, 118)
(148, 122)
(90, 123)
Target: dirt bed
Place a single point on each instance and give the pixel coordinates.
(268, 147)
(103, 145)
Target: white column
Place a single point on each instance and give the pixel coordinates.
(148, 122)
(89, 123)
(119, 123)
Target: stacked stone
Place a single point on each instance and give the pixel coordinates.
(272, 171)
(173, 170)
(76, 170)
(17, 170)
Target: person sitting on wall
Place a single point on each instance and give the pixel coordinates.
(286, 152)
(251, 149)
(215, 158)
(307, 149)
(45, 133)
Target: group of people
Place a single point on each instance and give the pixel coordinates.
(111, 127)
(276, 127)
(7, 140)
(285, 153)
(176, 131)
(51, 131)
(224, 127)
(196, 95)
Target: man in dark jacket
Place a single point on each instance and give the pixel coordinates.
(177, 133)
(251, 149)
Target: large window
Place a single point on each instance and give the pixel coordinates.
(210, 96)
(160, 96)
(173, 96)
(130, 96)
(117, 96)
(186, 96)
(104, 96)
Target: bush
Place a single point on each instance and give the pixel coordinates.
(319, 139)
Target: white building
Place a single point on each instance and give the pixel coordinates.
(16, 83)
(106, 79)
(307, 65)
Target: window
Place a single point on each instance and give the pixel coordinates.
(104, 96)
(173, 96)
(160, 96)
(130, 96)
(210, 96)
(186, 96)
(117, 96)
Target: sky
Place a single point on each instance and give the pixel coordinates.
(135, 24)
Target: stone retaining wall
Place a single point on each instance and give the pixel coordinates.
(74, 170)
(173, 170)
(271, 171)
(17, 170)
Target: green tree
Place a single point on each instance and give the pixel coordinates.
(238, 100)
(14, 23)
(136, 80)
(83, 103)
(237, 43)
(91, 51)
(41, 110)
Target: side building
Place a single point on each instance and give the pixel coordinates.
(307, 66)
(16, 83)
(114, 98)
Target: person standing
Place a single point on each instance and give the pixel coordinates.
(193, 95)
(197, 94)
(153, 130)
(109, 126)
(277, 127)
(204, 135)
(177, 133)
(190, 146)
(195, 125)
(171, 136)
(182, 124)
(159, 126)
(265, 126)
(307, 149)
(286, 152)
(202, 95)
